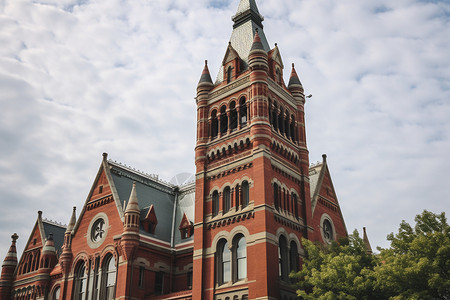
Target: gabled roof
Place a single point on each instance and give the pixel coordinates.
(57, 230)
(317, 173)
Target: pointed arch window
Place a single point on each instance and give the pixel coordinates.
(245, 194)
(295, 203)
(56, 293)
(109, 277)
(226, 199)
(275, 117)
(242, 112)
(292, 131)
(215, 203)
(81, 282)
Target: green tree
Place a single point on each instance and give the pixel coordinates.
(341, 270)
(417, 265)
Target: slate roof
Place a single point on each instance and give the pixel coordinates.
(152, 191)
(58, 233)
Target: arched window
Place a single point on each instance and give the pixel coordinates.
(241, 258)
(229, 73)
(275, 117)
(280, 121)
(282, 258)
(109, 275)
(242, 112)
(215, 204)
(276, 199)
(293, 257)
(292, 131)
(226, 200)
(286, 125)
(245, 194)
(270, 112)
(224, 262)
(81, 282)
(214, 124)
(233, 116)
(223, 120)
(295, 203)
(56, 293)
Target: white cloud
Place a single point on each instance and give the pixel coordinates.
(78, 78)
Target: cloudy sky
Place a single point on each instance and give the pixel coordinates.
(83, 77)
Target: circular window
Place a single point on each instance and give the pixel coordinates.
(98, 230)
(327, 230)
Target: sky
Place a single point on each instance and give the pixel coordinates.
(79, 78)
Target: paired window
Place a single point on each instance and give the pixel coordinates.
(282, 121)
(232, 261)
(288, 259)
(238, 197)
(228, 119)
(106, 277)
(284, 201)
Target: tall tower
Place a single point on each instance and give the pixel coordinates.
(253, 201)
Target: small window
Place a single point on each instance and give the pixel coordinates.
(223, 120)
(189, 279)
(159, 283)
(215, 204)
(242, 112)
(327, 229)
(229, 74)
(214, 124)
(245, 193)
(141, 277)
(100, 189)
(226, 200)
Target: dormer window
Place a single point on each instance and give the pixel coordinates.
(186, 228)
(229, 74)
(150, 221)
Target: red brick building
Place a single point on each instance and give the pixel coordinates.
(235, 233)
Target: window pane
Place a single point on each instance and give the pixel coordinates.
(242, 268)
(226, 263)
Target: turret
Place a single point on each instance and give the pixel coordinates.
(296, 87)
(66, 255)
(48, 255)
(257, 58)
(8, 267)
(130, 236)
(205, 85)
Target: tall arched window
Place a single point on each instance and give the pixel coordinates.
(242, 112)
(292, 131)
(224, 262)
(276, 199)
(226, 199)
(233, 116)
(215, 203)
(280, 121)
(293, 257)
(275, 116)
(109, 275)
(245, 194)
(295, 203)
(223, 120)
(214, 124)
(81, 282)
(56, 293)
(283, 258)
(241, 258)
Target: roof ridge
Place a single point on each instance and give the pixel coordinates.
(51, 222)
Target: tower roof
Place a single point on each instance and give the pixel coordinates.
(11, 256)
(294, 78)
(206, 77)
(133, 205)
(246, 20)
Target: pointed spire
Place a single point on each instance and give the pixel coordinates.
(206, 76)
(247, 10)
(294, 80)
(72, 221)
(133, 204)
(366, 242)
(11, 257)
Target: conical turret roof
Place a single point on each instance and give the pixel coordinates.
(72, 220)
(133, 204)
(11, 256)
(294, 80)
(206, 76)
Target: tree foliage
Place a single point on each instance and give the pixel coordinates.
(416, 266)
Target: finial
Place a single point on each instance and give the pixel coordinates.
(324, 156)
(276, 44)
(39, 213)
(105, 156)
(293, 65)
(206, 62)
(14, 237)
